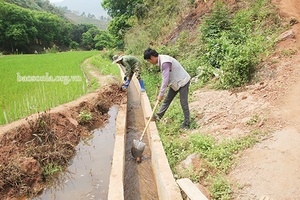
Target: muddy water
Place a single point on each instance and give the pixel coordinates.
(88, 175)
(139, 182)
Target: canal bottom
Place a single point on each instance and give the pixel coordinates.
(139, 181)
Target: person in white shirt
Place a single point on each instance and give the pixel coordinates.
(178, 80)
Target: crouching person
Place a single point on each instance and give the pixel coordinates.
(132, 66)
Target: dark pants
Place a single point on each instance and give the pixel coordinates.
(183, 91)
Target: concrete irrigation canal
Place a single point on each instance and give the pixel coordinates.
(139, 182)
(151, 179)
(99, 160)
(104, 167)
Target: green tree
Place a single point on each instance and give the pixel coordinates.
(48, 28)
(74, 45)
(77, 31)
(104, 40)
(1, 30)
(121, 12)
(24, 29)
(17, 36)
(88, 37)
(118, 26)
(117, 8)
(18, 26)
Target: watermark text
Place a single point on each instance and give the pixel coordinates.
(48, 78)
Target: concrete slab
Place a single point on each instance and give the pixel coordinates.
(190, 189)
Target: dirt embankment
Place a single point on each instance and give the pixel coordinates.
(271, 168)
(32, 149)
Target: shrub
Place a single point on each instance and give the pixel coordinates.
(234, 42)
(85, 116)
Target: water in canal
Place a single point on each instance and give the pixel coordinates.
(88, 175)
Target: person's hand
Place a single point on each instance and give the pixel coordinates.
(159, 98)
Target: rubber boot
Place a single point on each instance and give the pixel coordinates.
(142, 85)
(126, 84)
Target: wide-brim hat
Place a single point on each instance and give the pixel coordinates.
(116, 58)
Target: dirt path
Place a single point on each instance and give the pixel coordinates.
(94, 73)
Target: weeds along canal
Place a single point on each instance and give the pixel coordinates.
(139, 181)
(88, 174)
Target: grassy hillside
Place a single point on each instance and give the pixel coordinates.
(76, 19)
(46, 6)
(215, 40)
(39, 5)
(221, 44)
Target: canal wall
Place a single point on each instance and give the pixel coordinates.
(166, 185)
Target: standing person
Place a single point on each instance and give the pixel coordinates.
(178, 80)
(132, 65)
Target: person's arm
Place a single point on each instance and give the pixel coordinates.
(166, 68)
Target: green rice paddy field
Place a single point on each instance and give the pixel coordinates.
(32, 83)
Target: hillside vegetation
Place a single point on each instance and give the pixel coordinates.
(38, 5)
(218, 39)
(36, 26)
(221, 43)
(77, 19)
(210, 39)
